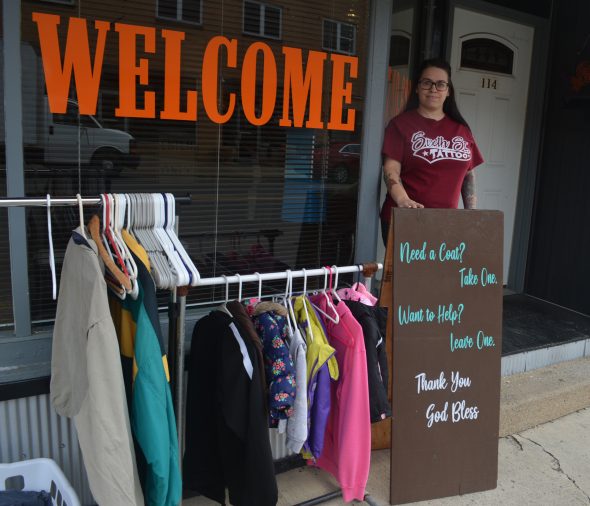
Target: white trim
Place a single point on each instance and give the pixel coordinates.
(339, 25)
(245, 357)
(178, 17)
(261, 18)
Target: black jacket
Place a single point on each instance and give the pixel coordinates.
(227, 443)
(373, 320)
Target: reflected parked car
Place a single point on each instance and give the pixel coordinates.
(338, 162)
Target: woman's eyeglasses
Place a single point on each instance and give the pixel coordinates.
(427, 84)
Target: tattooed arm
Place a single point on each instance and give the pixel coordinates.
(468, 191)
(391, 177)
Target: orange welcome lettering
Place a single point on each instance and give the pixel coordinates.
(300, 89)
(172, 81)
(129, 71)
(76, 59)
(269, 84)
(211, 77)
(303, 85)
(342, 90)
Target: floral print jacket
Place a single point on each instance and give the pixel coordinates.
(279, 368)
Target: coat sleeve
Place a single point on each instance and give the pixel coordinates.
(376, 370)
(355, 431)
(279, 369)
(103, 425)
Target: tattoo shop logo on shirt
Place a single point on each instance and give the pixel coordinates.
(435, 150)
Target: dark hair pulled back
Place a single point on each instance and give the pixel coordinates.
(450, 105)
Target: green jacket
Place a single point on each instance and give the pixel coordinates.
(153, 422)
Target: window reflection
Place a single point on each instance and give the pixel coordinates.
(265, 197)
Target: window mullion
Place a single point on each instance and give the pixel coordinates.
(15, 175)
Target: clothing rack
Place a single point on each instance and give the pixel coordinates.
(177, 304)
(368, 270)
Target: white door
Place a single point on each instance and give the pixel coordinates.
(490, 62)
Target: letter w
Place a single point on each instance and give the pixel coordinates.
(76, 59)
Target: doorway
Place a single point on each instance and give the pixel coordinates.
(491, 63)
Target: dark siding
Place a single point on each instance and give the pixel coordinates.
(540, 8)
(559, 256)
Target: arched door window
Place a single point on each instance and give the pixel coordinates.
(488, 55)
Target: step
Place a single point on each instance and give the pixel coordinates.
(532, 398)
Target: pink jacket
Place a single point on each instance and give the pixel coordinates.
(347, 442)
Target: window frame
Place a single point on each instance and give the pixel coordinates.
(262, 16)
(178, 18)
(339, 25)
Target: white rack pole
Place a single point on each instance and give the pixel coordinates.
(61, 201)
(42, 202)
(271, 276)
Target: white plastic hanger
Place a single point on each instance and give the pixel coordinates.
(291, 310)
(226, 287)
(118, 221)
(259, 286)
(335, 318)
(103, 227)
(181, 276)
(186, 261)
(223, 307)
(305, 302)
(239, 287)
(333, 288)
(51, 255)
(81, 211)
(146, 221)
(286, 301)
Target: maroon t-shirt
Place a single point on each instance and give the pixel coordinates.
(435, 155)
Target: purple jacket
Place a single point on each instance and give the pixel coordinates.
(321, 368)
(319, 398)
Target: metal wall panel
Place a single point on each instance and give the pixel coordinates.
(30, 428)
(278, 444)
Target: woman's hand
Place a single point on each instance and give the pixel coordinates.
(409, 203)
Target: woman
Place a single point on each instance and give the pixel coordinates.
(429, 152)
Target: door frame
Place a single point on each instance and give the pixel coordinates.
(533, 127)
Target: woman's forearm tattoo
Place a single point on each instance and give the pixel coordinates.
(390, 181)
(468, 191)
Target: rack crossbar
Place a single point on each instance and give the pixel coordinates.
(272, 276)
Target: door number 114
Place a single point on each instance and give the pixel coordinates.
(486, 82)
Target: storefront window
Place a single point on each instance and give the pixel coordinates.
(272, 169)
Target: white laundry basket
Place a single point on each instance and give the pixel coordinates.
(39, 474)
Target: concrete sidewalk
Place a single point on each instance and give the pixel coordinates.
(544, 454)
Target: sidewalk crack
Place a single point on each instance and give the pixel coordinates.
(557, 463)
(512, 438)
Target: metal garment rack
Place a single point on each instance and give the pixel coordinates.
(368, 270)
(177, 308)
